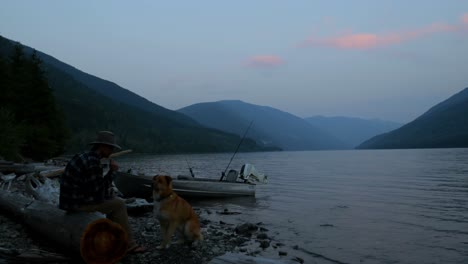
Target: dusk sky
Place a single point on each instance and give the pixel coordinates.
(390, 60)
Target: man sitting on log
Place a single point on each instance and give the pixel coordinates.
(84, 187)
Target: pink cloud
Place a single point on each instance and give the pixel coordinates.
(264, 61)
(366, 41)
(464, 18)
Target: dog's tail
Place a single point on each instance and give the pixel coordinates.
(198, 240)
(193, 231)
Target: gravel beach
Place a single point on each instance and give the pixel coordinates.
(219, 238)
(18, 243)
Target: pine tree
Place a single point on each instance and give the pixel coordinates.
(10, 141)
(10, 137)
(46, 133)
(30, 117)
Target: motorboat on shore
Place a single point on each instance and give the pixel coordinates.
(233, 184)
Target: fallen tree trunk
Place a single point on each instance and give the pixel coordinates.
(67, 230)
(48, 220)
(31, 256)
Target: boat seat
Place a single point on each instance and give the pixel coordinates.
(231, 176)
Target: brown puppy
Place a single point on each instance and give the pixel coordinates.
(174, 213)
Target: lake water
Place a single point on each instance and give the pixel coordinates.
(357, 206)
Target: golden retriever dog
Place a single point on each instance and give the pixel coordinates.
(174, 213)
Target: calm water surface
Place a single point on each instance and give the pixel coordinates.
(369, 206)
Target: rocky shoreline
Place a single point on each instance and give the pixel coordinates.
(219, 238)
(17, 243)
(249, 239)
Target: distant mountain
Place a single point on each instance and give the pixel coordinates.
(91, 104)
(271, 127)
(352, 131)
(443, 126)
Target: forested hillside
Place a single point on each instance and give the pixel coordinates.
(112, 90)
(443, 126)
(87, 111)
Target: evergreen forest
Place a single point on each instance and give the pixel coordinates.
(32, 125)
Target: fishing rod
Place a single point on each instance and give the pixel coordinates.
(190, 168)
(242, 139)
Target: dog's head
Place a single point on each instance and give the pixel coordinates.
(162, 184)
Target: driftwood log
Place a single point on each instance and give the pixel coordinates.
(9, 256)
(100, 240)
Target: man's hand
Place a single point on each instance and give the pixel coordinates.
(113, 165)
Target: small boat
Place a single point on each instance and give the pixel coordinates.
(234, 184)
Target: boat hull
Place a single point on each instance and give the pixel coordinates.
(140, 186)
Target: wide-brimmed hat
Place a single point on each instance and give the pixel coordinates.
(106, 138)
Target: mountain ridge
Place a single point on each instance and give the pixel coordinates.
(444, 125)
(270, 125)
(109, 88)
(88, 110)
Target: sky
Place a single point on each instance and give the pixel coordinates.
(390, 60)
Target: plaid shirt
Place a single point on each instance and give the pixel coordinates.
(83, 182)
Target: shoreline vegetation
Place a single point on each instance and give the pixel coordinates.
(223, 234)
